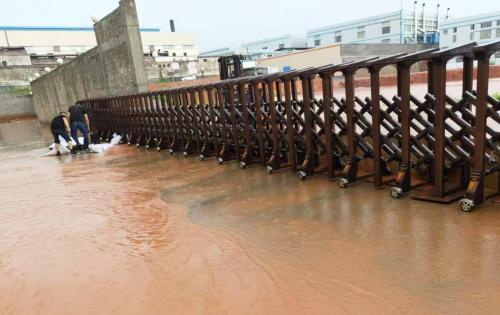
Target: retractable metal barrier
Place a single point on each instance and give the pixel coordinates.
(435, 148)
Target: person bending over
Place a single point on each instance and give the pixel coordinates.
(60, 127)
(79, 120)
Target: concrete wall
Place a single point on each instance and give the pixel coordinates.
(114, 67)
(339, 53)
(12, 107)
(17, 75)
(359, 51)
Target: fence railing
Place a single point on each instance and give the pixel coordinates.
(438, 148)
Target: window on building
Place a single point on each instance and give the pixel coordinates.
(4, 63)
(472, 27)
(386, 27)
(281, 46)
(185, 54)
(454, 30)
(174, 55)
(57, 48)
(486, 24)
(471, 36)
(445, 32)
(317, 42)
(264, 48)
(151, 47)
(361, 35)
(498, 22)
(485, 34)
(361, 32)
(454, 40)
(338, 36)
(497, 55)
(498, 32)
(205, 60)
(386, 41)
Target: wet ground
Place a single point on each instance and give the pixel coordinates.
(136, 232)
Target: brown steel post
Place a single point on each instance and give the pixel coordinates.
(468, 75)
(292, 157)
(185, 123)
(246, 157)
(213, 120)
(204, 126)
(326, 79)
(467, 86)
(223, 154)
(164, 116)
(234, 120)
(439, 126)
(475, 189)
(259, 122)
(194, 119)
(274, 160)
(431, 82)
(376, 121)
(188, 148)
(307, 90)
(351, 167)
(403, 179)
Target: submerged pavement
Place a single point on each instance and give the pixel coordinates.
(139, 232)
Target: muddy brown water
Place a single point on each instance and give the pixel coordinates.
(136, 232)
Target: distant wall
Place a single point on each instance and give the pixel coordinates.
(315, 57)
(17, 75)
(14, 107)
(358, 51)
(339, 53)
(114, 67)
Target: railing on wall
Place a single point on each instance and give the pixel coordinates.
(434, 148)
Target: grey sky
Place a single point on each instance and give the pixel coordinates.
(220, 23)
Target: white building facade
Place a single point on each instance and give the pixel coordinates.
(394, 27)
(283, 42)
(72, 41)
(479, 28)
(482, 29)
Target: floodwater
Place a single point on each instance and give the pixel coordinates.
(136, 232)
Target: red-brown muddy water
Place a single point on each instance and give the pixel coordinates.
(136, 232)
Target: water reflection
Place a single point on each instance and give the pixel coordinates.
(183, 236)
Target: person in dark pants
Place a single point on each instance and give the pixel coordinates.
(60, 127)
(79, 120)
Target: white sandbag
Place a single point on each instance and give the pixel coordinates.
(94, 148)
(116, 139)
(64, 147)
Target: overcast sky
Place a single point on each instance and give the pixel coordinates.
(221, 23)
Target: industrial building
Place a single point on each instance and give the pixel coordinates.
(72, 41)
(479, 28)
(400, 27)
(288, 42)
(168, 54)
